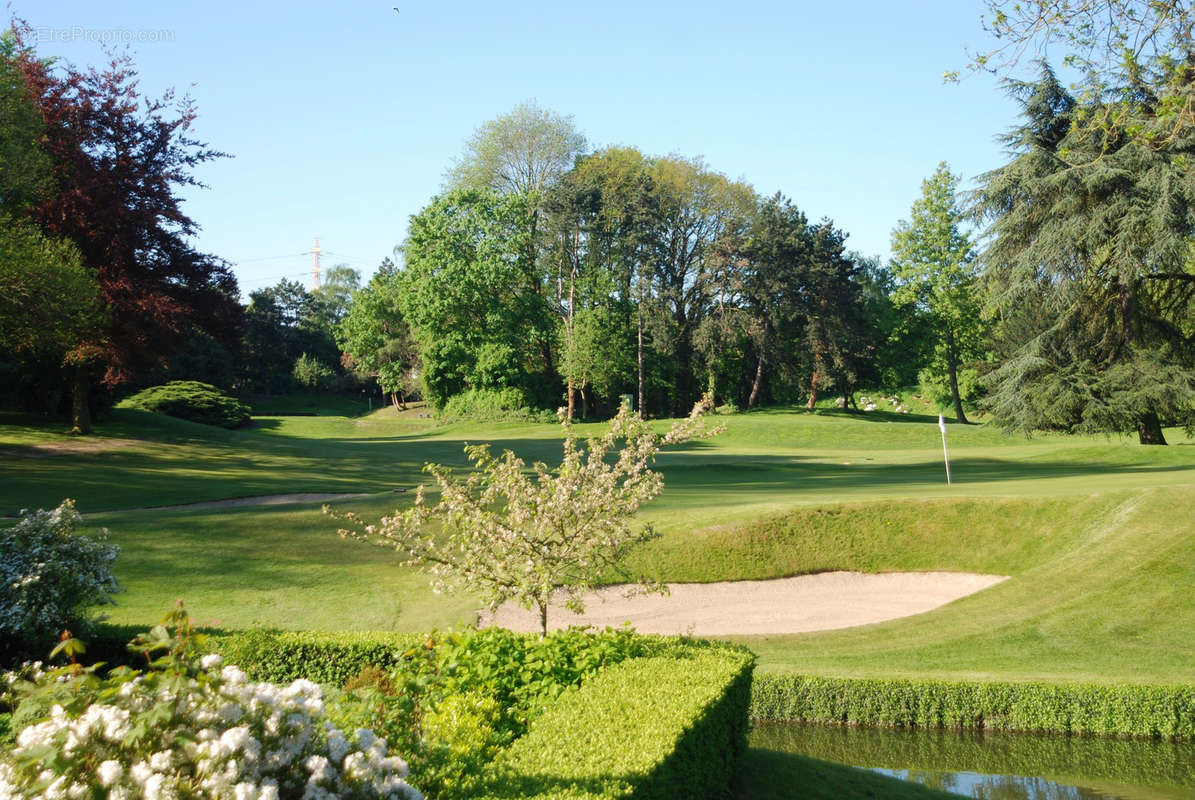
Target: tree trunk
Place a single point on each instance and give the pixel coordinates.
(572, 400)
(952, 371)
(80, 408)
(584, 404)
(812, 391)
(1149, 429)
(757, 383)
(640, 409)
(543, 618)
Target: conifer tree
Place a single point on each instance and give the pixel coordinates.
(1090, 265)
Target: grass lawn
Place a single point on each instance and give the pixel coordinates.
(1096, 532)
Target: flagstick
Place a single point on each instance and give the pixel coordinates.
(945, 455)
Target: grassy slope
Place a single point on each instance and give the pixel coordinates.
(1094, 531)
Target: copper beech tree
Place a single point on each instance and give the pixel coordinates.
(514, 534)
(116, 162)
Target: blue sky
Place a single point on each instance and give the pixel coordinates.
(342, 117)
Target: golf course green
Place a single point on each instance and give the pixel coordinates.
(1094, 532)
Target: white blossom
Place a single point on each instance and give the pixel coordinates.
(246, 740)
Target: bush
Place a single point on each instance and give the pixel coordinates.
(493, 405)
(648, 728)
(194, 401)
(50, 576)
(1124, 710)
(449, 701)
(311, 373)
(187, 727)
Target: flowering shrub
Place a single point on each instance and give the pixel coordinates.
(511, 535)
(187, 727)
(50, 575)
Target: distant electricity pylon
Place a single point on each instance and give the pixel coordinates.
(315, 251)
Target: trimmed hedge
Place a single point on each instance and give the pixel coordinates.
(1123, 710)
(328, 658)
(194, 401)
(651, 728)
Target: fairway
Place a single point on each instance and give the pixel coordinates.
(1094, 531)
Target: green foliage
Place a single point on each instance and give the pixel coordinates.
(311, 373)
(648, 728)
(1122, 710)
(522, 671)
(51, 576)
(933, 267)
(448, 700)
(1089, 263)
(472, 296)
(282, 323)
(48, 300)
(193, 401)
(376, 337)
(936, 385)
(493, 405)
(326, 658)
(521, 152)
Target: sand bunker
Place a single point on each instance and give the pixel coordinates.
(788, 605)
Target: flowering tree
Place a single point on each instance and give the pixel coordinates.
(517, 536)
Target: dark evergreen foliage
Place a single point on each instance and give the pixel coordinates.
(1089, 263)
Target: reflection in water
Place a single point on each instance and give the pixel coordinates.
(998, 787)
(1000, 766)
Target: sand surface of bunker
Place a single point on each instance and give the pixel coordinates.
(787, 605)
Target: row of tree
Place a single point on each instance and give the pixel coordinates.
(584, 276)
(565, 275)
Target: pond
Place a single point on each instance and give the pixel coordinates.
(996, 766)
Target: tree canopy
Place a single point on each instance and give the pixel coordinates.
(1089, 265)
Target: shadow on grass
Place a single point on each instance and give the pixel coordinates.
(772, 775)
(734, 473)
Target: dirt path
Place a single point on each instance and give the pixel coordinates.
(261, 500)
(788, 605)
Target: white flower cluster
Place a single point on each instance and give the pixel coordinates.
(49, 573)
(220, 737)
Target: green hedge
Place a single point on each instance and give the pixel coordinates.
(649, 728)
(1119, 710)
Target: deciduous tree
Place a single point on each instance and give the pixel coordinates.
(933, 263)
(377, 339)
(116, 163)
(514, 536)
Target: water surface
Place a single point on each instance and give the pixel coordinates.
(994, 766)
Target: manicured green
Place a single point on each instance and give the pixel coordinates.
(648, 728)
(1093, 531)
(1108, 601)
(1122, 710)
